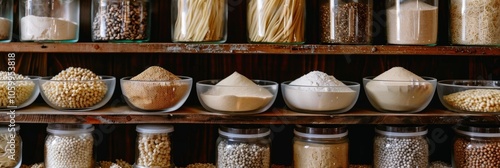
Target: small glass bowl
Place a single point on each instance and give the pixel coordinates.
(470, 96)
(84, 95)
(320, 99)
(236, 99)
(156, 96)
(20, 93)
(399, 96)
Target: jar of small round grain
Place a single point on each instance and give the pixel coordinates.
(476, 145)
(69, 145)
(400, 146)
(10, 146)
(323, 146)
(6, 20)
(153, 147)
(346, 21)
(246, 146)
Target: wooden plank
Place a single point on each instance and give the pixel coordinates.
(196, 115)
(247, 49)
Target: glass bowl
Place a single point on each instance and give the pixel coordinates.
(399, 96)
(159, 96)
(84, 95)
(470, 96)
(320, 99)
(19, 93)
(236, 99)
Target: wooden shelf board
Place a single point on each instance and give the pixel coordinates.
(87, 47)
(122, 114)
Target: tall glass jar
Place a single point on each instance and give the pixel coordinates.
(276, 21)
(476, 145)
(412, 22)
(400, 146)
(475, 22)
(321, 146)
(10, 146)
(346, 21)
(246, 146)
(121, 20)
(69, 145)
(49, 20)
(199, 21)
(6, 20)
(154, 146)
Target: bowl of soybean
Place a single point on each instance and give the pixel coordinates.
(470, 96)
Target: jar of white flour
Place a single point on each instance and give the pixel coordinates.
(49, 21)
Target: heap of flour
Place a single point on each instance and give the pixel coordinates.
(400, 90)
(236, 93)
(35, 28)
(318, 91)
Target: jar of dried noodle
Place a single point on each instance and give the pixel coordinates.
(475, 22)
(6, 20)
(11, 146)
(276, 21)
(199, 21)
(324, 146)
(121, 20)
(412, 22)
(346, 21)
(476, 145)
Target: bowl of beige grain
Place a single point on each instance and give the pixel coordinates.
(470, 96)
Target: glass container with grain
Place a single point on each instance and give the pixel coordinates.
(346, 21)
(476, 145)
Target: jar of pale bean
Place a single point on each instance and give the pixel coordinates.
(69, 145)
(476, 145)
(153, 147)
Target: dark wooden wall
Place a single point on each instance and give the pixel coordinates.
(195, 143)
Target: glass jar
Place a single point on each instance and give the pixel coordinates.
(321, 146)
(69, 145)
(6, 20)
(400, 146)
(276, 21)
(49, 21)
(243, 146)
(476, 145)
(121, 20)
(475, 22)
(199, 21)
(153, 147)
(346, 21)
(10, 146)
(412, 22)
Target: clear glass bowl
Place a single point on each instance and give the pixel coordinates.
(83, 95)
(160, 96)
(236, 99)
(470, 96)
(19, 94)
(399, 96)
(320, 99)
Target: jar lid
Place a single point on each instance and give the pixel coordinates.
(244, 131)
(154, 129)
(401, 130)
(4, 128)
(478, 130)
(321, 131)
(63, 129)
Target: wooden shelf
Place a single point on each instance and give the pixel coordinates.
(248, 49)
(122, 114)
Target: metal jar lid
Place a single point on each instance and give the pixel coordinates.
(321, 131)
(244, 131)
(478, 130)
(401, 130)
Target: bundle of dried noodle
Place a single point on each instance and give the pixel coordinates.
(200, 20)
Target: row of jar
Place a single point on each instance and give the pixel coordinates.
(408, 22)
(326, 146)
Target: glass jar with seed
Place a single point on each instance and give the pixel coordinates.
(476, 145)
(400, 146)
(246, 146)
(121, 20)
(346, 21)
(154, 146)
(69, 145)
(6, 20)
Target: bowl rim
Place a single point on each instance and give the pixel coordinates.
(441, 83)
(347, 83)
(103, 78)
(31, 78)
(204, 83)
(426, 78)
(183, 78)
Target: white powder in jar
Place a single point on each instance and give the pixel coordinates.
(236, 93)
(414, 23)
(5, 25)
(34, 28)
(400, 90)
(320, 92)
